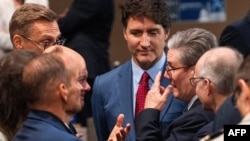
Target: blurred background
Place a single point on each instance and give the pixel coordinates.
(118, 50)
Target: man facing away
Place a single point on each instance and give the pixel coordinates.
(214, 87)
(55, 85)
(241, 97)
(146, 26)
(34, 27)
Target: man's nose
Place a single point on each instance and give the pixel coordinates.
(145, 40)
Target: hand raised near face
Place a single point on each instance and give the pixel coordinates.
(158, 95)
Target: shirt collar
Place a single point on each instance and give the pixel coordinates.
(246, 119)
(158, 66)
(192, 102)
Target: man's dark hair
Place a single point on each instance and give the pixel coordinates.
(156, 10)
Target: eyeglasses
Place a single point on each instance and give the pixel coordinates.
(45, 44)
(169, 71)
(195, 80)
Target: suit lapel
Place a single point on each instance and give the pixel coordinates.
(125, 93)
(197, 102)
(124, 88)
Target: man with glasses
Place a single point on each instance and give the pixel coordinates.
(184, 50)
(34, 27)
(214, 79)
(146, 27)
(241, 95)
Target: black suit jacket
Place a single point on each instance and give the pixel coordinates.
(237, 36)
(226, 114)
(87, 28)
(182, 128)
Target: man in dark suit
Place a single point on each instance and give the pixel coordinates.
(87, 26)
(184, 50)
(237, 34)
(146, 26)
(213, 87)
(55, 84)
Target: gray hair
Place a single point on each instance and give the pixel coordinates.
(193, 43)
(221, 68)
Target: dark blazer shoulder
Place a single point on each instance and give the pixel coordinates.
(226, 110)
(186, 126)
(45, 124)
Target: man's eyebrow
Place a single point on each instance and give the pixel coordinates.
(153, 29)
(50, 36)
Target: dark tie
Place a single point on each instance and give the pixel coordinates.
(141, 93)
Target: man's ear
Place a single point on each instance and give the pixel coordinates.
(244, 88)
(124, 33)
(209, 86)
(17, 42)
(192, 72)
(63, 91)
(167, 32)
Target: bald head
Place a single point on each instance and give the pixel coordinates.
(219, 65)
(65, 51)
(41, 77)
(69, 56)
(223, 54)
(59, 74)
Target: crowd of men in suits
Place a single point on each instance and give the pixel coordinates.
(191, 93)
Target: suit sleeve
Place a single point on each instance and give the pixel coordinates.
(232, 37)
(101, 126)
(205, 130)
(147, 126)
(186, 127)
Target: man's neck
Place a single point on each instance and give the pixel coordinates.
(57, 111)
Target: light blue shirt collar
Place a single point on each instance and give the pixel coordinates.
(138, 71)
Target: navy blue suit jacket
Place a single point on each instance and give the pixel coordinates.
(43, 126)
(183, 128)
(112, 95)
(226, 114)
(237, 34)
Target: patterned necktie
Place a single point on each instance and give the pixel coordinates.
(141, 93)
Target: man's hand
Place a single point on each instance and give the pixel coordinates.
(158, 95)
(119, 133)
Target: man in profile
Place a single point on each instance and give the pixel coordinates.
(55, 85)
